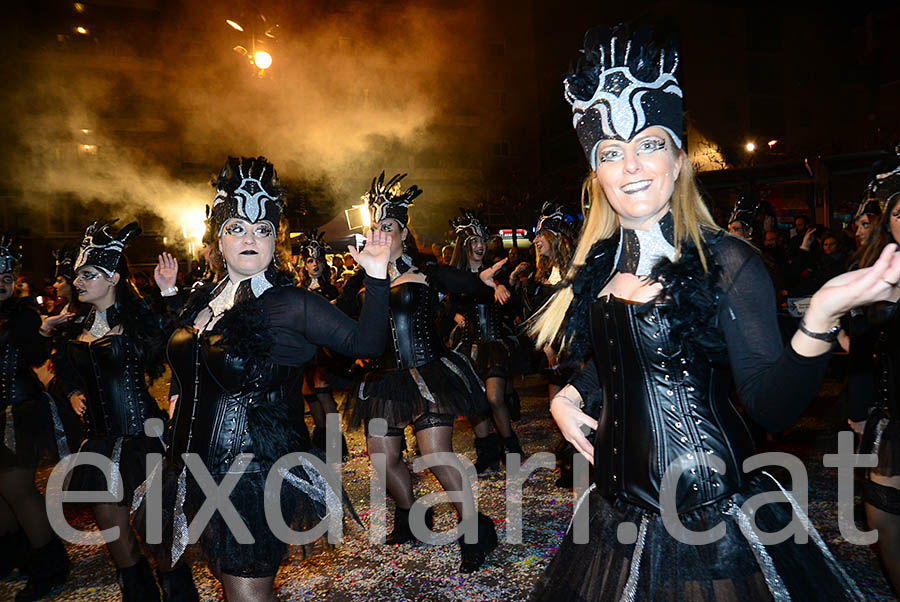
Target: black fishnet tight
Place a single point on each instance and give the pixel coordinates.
(23, 504)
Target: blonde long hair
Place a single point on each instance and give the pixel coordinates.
(689, 213)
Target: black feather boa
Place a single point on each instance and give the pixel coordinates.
(690, 299)
(245, 333)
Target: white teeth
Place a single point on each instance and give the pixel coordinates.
(636, 186)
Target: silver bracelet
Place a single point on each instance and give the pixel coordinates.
(169, 291)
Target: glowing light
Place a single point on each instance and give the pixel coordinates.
(79, 7)
(358, 216)
(772, 143)
(39, 299)
(193, 225)
(81, 30)
(750, 147)
(88, 149)
(234, 25)
(262, 59)
(85, 131)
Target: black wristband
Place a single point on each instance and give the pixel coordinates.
(829, 336)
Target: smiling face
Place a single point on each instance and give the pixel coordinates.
(95, 287)
(476, 248)
(541, 245)
(248, 248)
(638, 177)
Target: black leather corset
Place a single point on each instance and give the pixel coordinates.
(414, 338)
(116, 394)
(211, 414)
(484, 319)
(658, 407)
(17, 381)
(886, 322)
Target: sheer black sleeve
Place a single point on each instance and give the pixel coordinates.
(448, 279)
(775, 383)
(302, 320)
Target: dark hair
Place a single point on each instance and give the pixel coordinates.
(561, 249)
(460, 258)
(879, 237)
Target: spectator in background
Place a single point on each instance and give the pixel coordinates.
(436, 251)
(349, 263)
(495, 251)
(446, 254)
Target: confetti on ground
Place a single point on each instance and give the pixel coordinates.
(358, 571)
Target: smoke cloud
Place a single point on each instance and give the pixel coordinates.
(136, 117)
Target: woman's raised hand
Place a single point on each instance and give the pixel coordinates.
(855, 289)
(375, 256)
(166, 271)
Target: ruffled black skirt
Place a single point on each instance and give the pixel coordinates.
(657, 567)
(882, 437)
(448, 385)
(224, 553)
(494, 359)
(129, 454)
(34, 433)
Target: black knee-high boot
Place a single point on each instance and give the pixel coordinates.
(473, 555)
(48, 567)
(138, 584)
(177, 585)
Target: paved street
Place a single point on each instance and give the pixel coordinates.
(357, 571)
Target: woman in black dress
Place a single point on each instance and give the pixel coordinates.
(489, 341)
(27, 428)
(417, 379)
(237, 344)
(103, 358)
(874, 386)
(664, 308)
(317, 389)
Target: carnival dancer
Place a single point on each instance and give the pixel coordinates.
(661, 303)
(874, 387)
(27, 423)
(489, 341)
(317, 390)
(418, 380)
(554, 242)
(237, 344)
(103, 356)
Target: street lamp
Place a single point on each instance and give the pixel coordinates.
(234, 25)
(262, 59)
(750, 146)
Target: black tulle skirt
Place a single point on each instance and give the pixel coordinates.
(657, 567)
(448, 385)
(882, 437)
(129, 454)
(31, 431)
(224, 553)
(494, 359)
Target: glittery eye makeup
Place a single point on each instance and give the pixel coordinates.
(235, 229)
(650, 145)
(263, 231)
(386, 227)
(611, 154)
(86, 275)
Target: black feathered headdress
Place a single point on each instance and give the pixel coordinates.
(745, 212)
(885, 184)
(553, 219)
(102, 249)
(65, 262)
(313, 245)
(248, 189)
(622, 85)
(386, 200)
(467, 226)
(10, 254)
